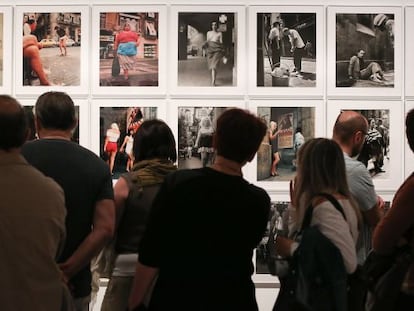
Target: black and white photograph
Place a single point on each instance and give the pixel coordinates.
(288, 129)
(117, 126)
(207, 49)
(278, 215)
(375, 153)
(365, 50)
(196, 126)
(286, 49)
(383, 150)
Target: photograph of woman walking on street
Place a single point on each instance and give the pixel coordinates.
(126, 47)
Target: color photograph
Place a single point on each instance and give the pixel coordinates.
(207, 48)
(51, 48)
(288, 129)
(117, 127)
(286, 49)
(128, 49)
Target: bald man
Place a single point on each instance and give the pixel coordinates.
(349, 132)
(32, 223)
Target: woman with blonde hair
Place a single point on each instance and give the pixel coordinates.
(321, 170)
(111, 144)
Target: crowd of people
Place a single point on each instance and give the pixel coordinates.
(179, 239)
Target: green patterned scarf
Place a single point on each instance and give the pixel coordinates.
(151, 172)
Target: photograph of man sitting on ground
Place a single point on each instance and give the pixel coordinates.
(365, 50)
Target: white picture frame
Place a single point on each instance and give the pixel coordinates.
(409, 46)
(314, 67)
(6, 46)
(121, 105)
(183, 75)
(276, 185)
(364, 36)
(393, 165)
(154, 69)
(77, 57)
(82, 106)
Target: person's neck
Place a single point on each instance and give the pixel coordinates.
(55, 134)
(227, 166)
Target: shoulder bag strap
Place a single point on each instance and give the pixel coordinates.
(309, 211)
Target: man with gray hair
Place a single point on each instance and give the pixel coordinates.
(32, 223)
(87, 183)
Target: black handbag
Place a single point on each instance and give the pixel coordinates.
(116, 68)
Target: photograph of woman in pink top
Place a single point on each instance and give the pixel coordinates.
(126, 47)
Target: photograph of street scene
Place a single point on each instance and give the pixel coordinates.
(286, 49)
(117, 126)
(51, 48)
(207, 49)
(278, 215)
(364, 50)
(196, 126)
(128, 49)
(32, 129)
(288, 129)
(375, 153)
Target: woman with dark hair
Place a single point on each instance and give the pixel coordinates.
(155, 154)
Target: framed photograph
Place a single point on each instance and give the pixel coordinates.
(409, 46)
(193, 123)
(129, 47)
(364, 51)
(54, 47)
(261, 273)
(207, 54)
(409, 156)
(382, 152)
(286, 51)
(5, 49)
(290, 124)
(80, 133)
(113, 127)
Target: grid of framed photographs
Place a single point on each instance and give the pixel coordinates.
(297, 65)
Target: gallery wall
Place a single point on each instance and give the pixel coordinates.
(171, 79)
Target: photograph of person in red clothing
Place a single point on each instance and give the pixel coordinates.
(129, 41)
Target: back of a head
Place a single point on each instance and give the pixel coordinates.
(154, 140)
(409, 128)
(55, 110)
(346, 124)
(321, 167)
(238, 135)
(13, 123)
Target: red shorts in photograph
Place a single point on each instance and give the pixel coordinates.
(111, 147)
